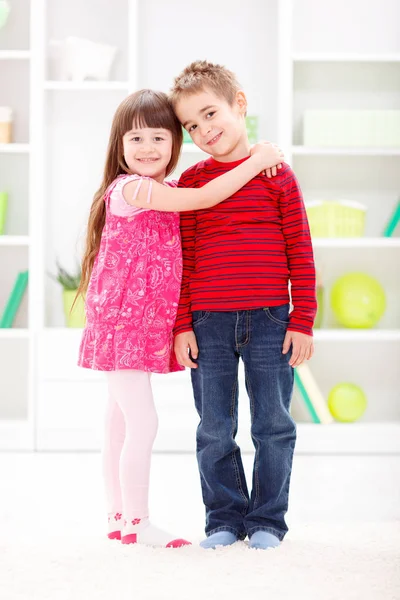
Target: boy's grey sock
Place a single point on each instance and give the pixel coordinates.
(263, 540)
(221, 538)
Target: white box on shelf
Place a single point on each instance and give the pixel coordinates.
(354, 128)
(78, 59)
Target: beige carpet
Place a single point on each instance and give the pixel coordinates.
(315, 562)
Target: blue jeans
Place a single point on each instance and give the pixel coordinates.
(257, 337)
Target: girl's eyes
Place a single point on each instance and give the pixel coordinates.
(138, 139)
(210, 113)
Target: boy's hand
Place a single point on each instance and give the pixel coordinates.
(183, 343)
(303, 347)
(270, 155)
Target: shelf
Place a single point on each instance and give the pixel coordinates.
(16, 435)
(310, 151)
(14, 148)
(76, 86)
(344, 57)
(365, 242)
(14, 240)
(14, 54)
(357, 335)
(12, 334)
(345, 438)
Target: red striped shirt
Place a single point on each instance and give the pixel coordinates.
(241, 254)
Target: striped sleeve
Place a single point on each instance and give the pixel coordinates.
(300, 256)
(188, 235)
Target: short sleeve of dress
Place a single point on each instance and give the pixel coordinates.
(118, 205)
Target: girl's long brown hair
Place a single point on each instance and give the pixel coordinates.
(144, 108)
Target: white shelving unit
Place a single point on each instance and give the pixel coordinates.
(55, 165)
(307, 151)
(337, 70)
(16, 345)
(14, 148)
(95, 86)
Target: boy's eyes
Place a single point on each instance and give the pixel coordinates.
(208, 116)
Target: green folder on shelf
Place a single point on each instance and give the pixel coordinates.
(393, 221)
(312, 395)
(305, 397)
(14, 300)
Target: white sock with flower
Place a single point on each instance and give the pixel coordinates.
(141, 531)
(115, 523)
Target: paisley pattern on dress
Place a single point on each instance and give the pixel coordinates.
(133, 294)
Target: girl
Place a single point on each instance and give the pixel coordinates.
(131, 276)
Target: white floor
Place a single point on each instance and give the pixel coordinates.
(343, 543)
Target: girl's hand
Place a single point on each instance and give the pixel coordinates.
(184, 343)
(270, 155)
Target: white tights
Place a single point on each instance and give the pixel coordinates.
(130, 430)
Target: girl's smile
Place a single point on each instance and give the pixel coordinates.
(147, 151)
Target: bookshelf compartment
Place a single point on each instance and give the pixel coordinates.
(381, 264)
(62, 22)
(343, 86)
(16, 96)
(13, 260)
(372, 180)
(14, 370)
(15, 35)
(377, 34)
(14, 180)
(362, 364)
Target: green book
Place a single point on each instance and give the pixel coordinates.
(306, 398)
(14, 300)
(393, 221)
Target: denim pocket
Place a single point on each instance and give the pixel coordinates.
(198, 316)
(278, 314)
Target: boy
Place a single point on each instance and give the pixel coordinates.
(238, 258)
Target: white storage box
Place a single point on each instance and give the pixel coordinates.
(354, 128)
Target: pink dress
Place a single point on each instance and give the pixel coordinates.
(133, 294)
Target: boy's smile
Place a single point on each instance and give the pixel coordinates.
(214, 125)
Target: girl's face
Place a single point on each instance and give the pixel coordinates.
(147, 151)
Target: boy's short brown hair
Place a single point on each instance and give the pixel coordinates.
(202, 74)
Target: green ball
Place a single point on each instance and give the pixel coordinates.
(358, 300)
(347, 402)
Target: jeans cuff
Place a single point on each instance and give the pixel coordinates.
(240, 536)
(274, 532)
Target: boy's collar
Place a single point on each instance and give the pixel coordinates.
(231, 164)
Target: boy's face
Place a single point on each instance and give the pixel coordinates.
(214, 125)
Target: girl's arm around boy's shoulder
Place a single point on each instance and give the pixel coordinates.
(284, 178)
(147, 193)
